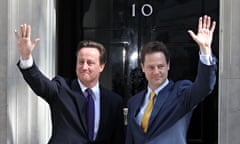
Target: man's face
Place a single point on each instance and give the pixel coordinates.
(88, 67)
(155, 68)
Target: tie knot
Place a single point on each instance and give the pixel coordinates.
(89, 92)
(152, 95)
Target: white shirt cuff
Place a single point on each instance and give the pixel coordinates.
(207, 59)
(24, 64)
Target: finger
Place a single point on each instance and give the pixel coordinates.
(205, 21)
(208, 22)
(199, 24)
(213, 26)
(191, 33)
(28, 33)
(16, 34)
(24, 30)
(21, 29)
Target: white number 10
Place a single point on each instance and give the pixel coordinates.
(149, 13)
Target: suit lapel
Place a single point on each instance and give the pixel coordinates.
(162, 97)
(103, 112)
(137, 106)
(81, 104)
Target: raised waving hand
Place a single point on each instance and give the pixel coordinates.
(204, 35)
(24, 43)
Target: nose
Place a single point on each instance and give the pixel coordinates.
(84, 65)
(155, 70)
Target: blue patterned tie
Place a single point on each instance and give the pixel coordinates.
(90, 114)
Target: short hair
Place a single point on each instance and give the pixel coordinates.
(152, 47)
(94, 44)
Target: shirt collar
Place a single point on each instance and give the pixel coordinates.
(149, 90)
(94, 89)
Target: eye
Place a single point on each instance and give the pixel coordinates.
(80, 62)
(150, 67)
(90, 63)
(160, 66)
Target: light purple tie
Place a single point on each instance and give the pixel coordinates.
(90, 114)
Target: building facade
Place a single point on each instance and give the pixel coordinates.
(25, 118)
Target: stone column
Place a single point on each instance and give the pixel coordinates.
(24, 117)
(3, 70)
(229, 72)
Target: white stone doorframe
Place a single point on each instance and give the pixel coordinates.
(28, 116)
(229, 73)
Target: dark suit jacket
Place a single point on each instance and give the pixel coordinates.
(172, 103)
(68, 110)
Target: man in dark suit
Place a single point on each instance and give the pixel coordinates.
(161, 113)
(82, 111)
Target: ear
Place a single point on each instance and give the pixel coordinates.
(102, 67)
(168, 65)
(142, 66)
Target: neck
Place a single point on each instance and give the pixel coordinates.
(161, 85)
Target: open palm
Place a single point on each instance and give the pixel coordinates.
(205, 34)
(24, 43)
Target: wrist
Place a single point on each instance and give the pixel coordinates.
(205, 50)
(25, 57)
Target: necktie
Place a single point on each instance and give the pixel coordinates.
(90, 114)
(148, 111)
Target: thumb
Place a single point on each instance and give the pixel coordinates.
(191, 33)
(35, 41)
(16, 34)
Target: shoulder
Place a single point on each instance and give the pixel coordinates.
(182, 83)
(136, 97)
(111, 95)
(63, 81)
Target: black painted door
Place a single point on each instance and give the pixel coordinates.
(123, 27)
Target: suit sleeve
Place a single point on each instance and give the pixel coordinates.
(39, 83)
(201, 87)
(119, 136)
(129, 137)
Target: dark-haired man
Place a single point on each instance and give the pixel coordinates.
(82, 111)
(161, 113)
